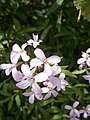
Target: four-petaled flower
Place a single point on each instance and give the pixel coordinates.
(17, 52)
(49, 89)
(29, 77)
(35, 41)
(73, 111)
(85, 60)
(36, 92)
(8, 68)
(85, 111)
(41, 59)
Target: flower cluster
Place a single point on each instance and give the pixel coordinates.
(74, 114)
(40, 76)
(84, 63)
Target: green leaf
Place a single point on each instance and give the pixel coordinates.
(4, 100)
(84, 5)
(55, 5)
(44, 33)
(10, 103)
(68, 73)
(45, 114)
(64, 67)
(17, 24)
(17, 99)
(79, 71)
(4, 91)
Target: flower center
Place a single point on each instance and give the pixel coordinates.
(21, 51)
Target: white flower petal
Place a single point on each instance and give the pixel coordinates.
(56, 69)
(77, 112)
(55, 93)
(75, 104)
(16, 48)
(24, 56)
(68, 107)
(35, 44)
(39, 54)
(72, 114)
(26, 70)
(88, 62)
(14, 57)
(62, 76)
(35, 37)
(27, 94)
(81, 111)
(35, 62)
(31, 99)
(41, 77)
(45, 90)
(86, 77)
(81, 60)
(47, 69)
(48, 95)
(5, 66)
(39, 96)
(53, 59)
(85, 115)
(29, 42)
(23, 84)
(24, 46)
(17, 75)
(88, 50)
(36, 88)
(8, 71)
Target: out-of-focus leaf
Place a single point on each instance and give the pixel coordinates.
(84, 5)
(1, 35)
(81, 85)
(10, 103)
(53, 109)
(17, 99)
(64, 67)
(68, 73)
(4, 100)
(4, 91)
(78, 71)
(43, 35)
(17, 24)
(55, 5)
(45, 114)
(59, 21)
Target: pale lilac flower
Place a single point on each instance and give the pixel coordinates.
(56, 69)
(85, 60)
(85, 111)
(55, 81)
(49, 90)
(88, 50)
(35, 92)
(73, 111)
(17, 52)
(8, 68)
(41, 59)
(29, 77)
(74, 118)
(87, 77)
(17, 75)
(35, 41)
(63, 83)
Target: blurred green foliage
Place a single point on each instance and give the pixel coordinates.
(63, 34)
